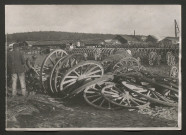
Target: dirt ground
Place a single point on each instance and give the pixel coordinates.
(26, 113)
(79, 114)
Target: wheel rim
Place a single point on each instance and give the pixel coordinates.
(172, 63)
(93, 96)
(152, 57)
(54, 73)
(65, 65)
(174, 72)
(82, 72)
(48, 65)
(125, 65)
(149, 93)
(122, 97)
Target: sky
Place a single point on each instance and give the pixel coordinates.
(107, 19)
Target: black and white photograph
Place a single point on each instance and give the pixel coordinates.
(93, 67)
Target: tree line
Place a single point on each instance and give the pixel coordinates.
(52, 35)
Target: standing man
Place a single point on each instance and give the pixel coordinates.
(16, 62)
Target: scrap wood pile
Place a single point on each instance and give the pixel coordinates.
(116, 82)
(119, 81)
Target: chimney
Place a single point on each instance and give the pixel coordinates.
(134, 32)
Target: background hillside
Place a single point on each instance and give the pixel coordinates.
(52, 35)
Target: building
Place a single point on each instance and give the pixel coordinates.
(125, 39)
(141, 38)
(54, 44)
(170, 40)
(152, 39)
(92, 43)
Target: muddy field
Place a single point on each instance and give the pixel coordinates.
(42, 111)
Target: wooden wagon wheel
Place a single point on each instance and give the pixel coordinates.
(174, 72)
(53, 73)
(173, 60)
(93, 96)
(61, 67)
(149, 93)
(66, 64)
(171, 95)
(152, 58)
(125, 65)
(78, 75)
(123, 97)
(48, 65)
(158, 59)
(168, 58)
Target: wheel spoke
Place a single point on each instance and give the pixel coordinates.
(90, 70)
(97, 71)
(102, 102)
(96, 99)
(71, 80)
(76, 73)
(134, 102)
(93, 76)
(51, 60)
(70, 84)
(89, 96)
(110, 93)
(75, 77)
(138, 100)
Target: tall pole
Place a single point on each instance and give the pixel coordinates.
(175, 28)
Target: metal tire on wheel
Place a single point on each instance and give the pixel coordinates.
(126, 64)
(122, 97)
(67, 63)
(174, 72)
(149, 93)
(93, 96)
(54, 73)
(48, 65)
(79, 74)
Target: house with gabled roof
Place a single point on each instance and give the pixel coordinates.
(170, 40)
(92, 43)
(123, 39)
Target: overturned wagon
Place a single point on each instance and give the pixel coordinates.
(117, 81)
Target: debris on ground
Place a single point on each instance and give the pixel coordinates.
(169, 113)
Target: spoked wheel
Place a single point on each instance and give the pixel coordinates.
(152, 57)
(158, 59)
(172, 60)
(123, 97)
(149, 93)
(79, 74)
(171, 95)
(139, 59)
(174, 72)
(63, 66)
(125, 65)
(48, 65)
(53, 73)
(93, 96)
